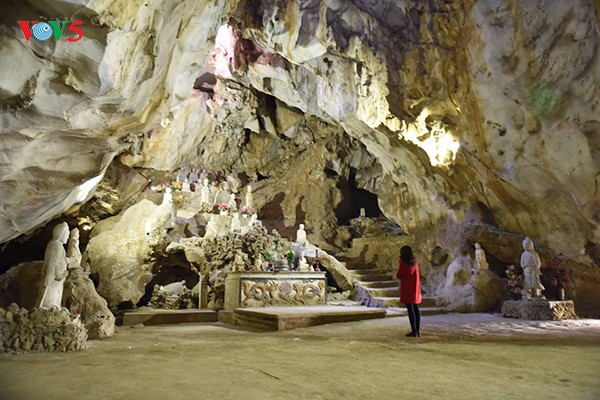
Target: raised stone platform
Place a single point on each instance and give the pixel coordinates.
(284, 318)
(160, 317)
(539, 309)
(266, 289)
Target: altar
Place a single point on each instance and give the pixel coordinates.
(265, 289)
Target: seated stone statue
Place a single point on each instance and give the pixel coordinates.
(480, 258)
(232, 202)
(55, 268)
(531, 264)
(301, 236)
(303, 264)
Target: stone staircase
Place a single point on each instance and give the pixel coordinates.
(375, 288)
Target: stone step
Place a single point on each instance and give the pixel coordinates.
(392, 312)
(365, 269)
(386, 302)
(359, 266)
(378, 284)
(387, 291)
(370, 277)
(284, 318)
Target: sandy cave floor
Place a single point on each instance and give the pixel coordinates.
(460, 356)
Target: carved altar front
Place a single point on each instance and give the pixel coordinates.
(265, 289)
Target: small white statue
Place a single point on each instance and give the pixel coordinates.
(302, 263)
(185, 186)
(258, 263)
(531, 264)
(235, 222)
(204, 192)
(168, 196)
(232, 202)
(249, 200)
(480, 258)
(301, 236)
(73, 252)
(253, 219)
(55, 268)
(363, 213)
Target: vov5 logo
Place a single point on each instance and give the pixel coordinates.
(44, 30)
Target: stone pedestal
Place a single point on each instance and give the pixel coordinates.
(539, 309)
(264, 289)
(202, 294)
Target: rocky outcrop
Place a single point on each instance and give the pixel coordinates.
(80, 297)
(40, 330)
(467, 291)
(120, 250)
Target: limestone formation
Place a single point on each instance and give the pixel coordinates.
(120, 251)
(80, 297)
(40, 330)
(465, 291)
(175, 296)
(433, 114)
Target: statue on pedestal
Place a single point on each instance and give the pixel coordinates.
(363, 213)
(531, 264)
(301, 236)
(168, 200)
(480, 258)
(249, 200)
(55, 268)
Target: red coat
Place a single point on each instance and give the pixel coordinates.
(410, 284)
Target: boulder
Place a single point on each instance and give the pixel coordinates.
(465, 291)
(121, 253)
(80, 297)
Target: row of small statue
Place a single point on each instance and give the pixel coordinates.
(214, 195)
(530, 262)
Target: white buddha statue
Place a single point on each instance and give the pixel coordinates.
(480, 258)
(249, 200)
(302, 263)
(531, 264)
(301, 236)
(232, 202)
(185, 186)
(55, 268)
(168, 196)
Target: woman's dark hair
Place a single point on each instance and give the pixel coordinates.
(407, 255)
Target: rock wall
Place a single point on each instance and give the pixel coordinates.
(448, 112)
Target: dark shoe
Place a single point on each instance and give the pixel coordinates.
(412, 334)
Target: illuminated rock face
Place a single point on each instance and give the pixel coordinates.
(446, 111)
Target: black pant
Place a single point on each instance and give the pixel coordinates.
(414, 316)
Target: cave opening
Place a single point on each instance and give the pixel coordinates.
(355, 198)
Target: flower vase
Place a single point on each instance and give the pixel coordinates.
(561, 294)
(244, 215)
(223, 212)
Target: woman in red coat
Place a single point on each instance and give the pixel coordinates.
(410, 288)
